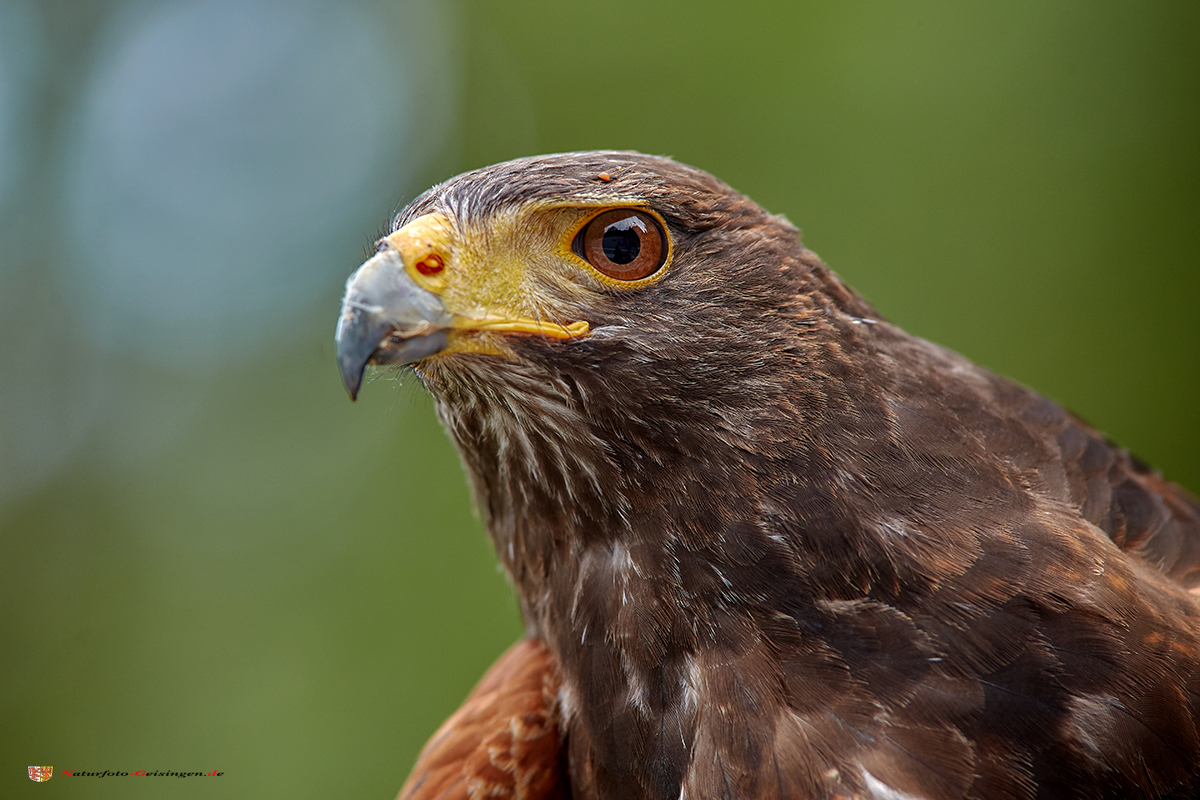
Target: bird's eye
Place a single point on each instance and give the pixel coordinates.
(624, 244)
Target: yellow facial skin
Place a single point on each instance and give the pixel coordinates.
(494, 280)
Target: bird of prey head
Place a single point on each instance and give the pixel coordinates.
(767, 544)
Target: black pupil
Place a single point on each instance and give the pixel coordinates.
(621, 243)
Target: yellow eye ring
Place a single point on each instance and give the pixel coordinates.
(627, 245)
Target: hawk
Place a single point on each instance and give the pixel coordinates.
(767, 544)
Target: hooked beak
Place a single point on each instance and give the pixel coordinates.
(387, 319)
(416, 298)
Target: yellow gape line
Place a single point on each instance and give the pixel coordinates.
(551, 329)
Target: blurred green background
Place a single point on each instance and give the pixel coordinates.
(212, 560)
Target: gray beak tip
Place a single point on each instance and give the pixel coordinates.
(386, 319)
(351, 380)
(356, 337)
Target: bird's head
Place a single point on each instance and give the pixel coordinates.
(582, 256)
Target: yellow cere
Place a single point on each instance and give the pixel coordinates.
(485, 278)
(431, 234)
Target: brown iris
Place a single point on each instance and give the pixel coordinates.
(624, 244)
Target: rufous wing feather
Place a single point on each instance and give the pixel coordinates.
(504, 741)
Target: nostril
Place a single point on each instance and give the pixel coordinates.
(432, 264)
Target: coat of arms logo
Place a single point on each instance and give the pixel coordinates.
(40, 774)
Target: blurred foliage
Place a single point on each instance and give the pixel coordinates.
(217, 562)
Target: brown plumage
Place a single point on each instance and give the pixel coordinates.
(772, 545)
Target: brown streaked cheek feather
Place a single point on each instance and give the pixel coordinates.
(767, 544)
